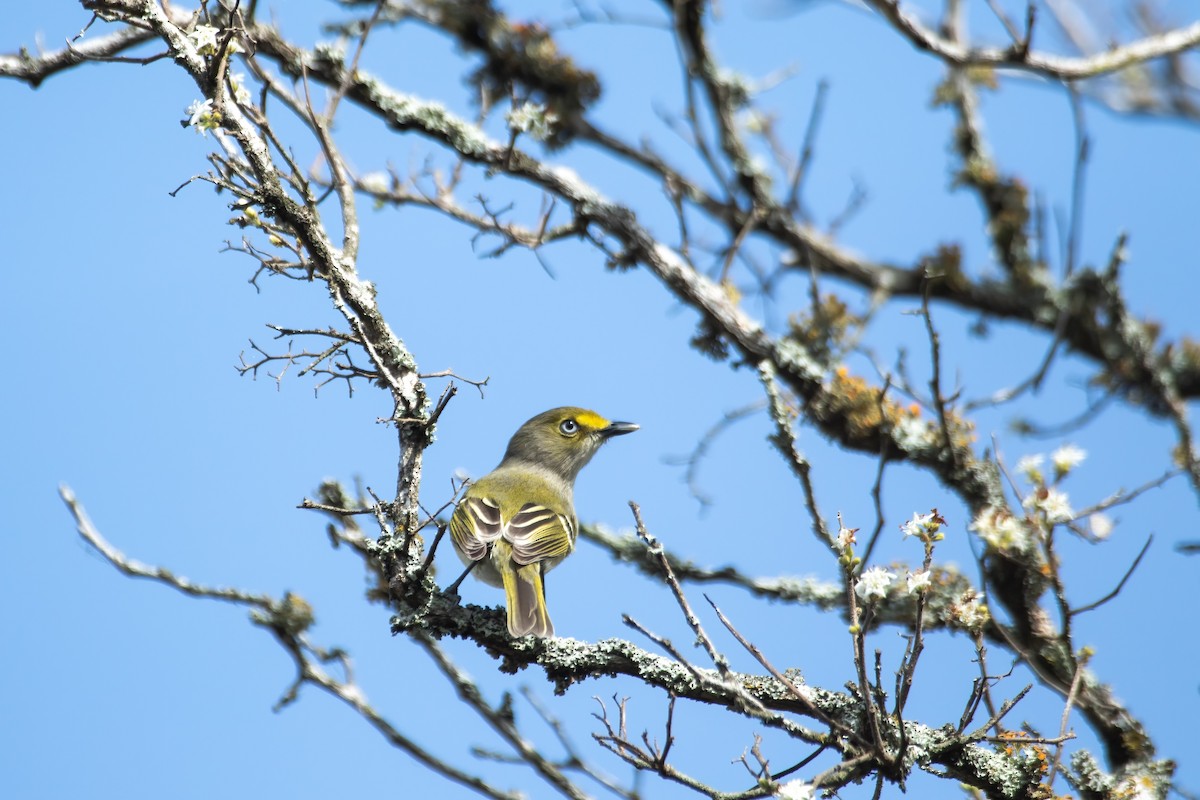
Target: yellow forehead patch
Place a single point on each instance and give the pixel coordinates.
(591, 420)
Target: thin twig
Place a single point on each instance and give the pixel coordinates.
(1120, 585)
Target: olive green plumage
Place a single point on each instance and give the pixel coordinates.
(518, 522)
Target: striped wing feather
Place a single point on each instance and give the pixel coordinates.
(475, 525)
(539, 534)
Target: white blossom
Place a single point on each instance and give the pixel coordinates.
(970, 612)
(1057, 507)
(241, 94)
(1053, 503)
(1067, 458)
(919, 581)
(1100, 525)
(874, 583)
(796, 790)
(1031, 467)
(204, 37)
(913, 526)
(202, 117)
(911, 432)
(532, 118)
(1000, 530)
(921, 523)
(376, 182)
(845, 537)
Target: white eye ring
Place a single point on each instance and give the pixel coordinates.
(569, 427)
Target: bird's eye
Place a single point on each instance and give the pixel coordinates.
(569, 427)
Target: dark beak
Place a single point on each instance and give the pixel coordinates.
(618, 429)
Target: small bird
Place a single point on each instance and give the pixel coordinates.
(518, 522)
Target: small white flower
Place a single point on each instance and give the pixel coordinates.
(845, 537)
(925, 526)
(376, 182)
(918, 524)
(1067, 458)
(197, 109)
(874, 583)
(919, 581)
(204, 37)
(1057, 507)
(911, 432)
(1053, 503)
(970, 612)
(1031, 467)
(796, 790)
(1101, 525)
(241, 94)
(532, 118)
(202, 117)
(1002, 531)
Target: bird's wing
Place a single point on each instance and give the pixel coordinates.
(474, 525)
(538, 533)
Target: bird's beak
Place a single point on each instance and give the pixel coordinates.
(618, 429)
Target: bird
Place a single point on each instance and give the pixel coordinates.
(518, 522)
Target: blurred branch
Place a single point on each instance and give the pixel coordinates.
(33, 69)
(693, 460)
(630, 549)
(1062, 68)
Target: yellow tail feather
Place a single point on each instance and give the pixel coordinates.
(525, 598)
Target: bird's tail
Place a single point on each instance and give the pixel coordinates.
(525, 597)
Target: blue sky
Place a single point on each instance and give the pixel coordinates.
(126, 322)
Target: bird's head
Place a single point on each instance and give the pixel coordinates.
(563, 439)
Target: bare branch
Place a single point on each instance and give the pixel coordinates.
(33, 69)
(1058, 67)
